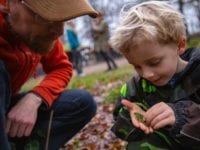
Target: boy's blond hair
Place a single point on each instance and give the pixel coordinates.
(152, 21)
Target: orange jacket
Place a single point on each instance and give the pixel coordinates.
(3, 2)
(21, 63)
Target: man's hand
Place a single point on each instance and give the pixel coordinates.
(22, 117)
(136, 113)
(160, 115)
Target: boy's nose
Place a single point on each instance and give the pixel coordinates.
(147, 74)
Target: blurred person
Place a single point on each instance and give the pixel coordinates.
(66, 45)
(29, 34)
(74, 45)
(100, 34)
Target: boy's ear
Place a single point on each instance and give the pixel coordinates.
(182, 46)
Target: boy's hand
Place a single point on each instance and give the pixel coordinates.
(159, 115)
(137, 114)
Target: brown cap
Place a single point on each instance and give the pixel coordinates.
(61, 10)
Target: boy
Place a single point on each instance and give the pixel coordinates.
(159, 108)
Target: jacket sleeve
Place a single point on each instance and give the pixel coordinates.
(186, 128)
(58, 71)
(187, 110)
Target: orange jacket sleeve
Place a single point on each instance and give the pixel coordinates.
(3, 2)
(58, 71)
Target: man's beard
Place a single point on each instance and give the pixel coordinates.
(38, 45)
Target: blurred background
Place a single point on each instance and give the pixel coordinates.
(111, 9)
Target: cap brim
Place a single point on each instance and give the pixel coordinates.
(61, 10)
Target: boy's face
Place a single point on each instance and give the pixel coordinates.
(155, 62)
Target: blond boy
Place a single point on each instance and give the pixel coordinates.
(163, 98)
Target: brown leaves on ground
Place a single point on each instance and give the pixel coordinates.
(96, 135)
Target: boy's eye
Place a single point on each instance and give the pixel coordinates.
(154, 63)
(137, 67)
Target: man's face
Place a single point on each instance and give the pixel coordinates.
(38, 33)
(155, 62)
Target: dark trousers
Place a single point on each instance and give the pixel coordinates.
(109, 60)
(4, 104)
(73, 109)
(77, 61)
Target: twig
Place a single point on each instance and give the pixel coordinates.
(49, 130)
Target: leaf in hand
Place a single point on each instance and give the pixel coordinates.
(139, 117)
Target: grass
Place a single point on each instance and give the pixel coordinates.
(112, 95)
(104, 84)
(30, 84)
(95, 82)
(194, 42)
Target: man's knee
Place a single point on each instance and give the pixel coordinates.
(76, 103)
(88, 100)
(87, 103)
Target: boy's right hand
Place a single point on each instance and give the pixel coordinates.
(133, 109)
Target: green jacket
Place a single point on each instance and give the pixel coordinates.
(182, 94)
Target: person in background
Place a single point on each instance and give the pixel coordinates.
(159, 108)
(74, 45)
(47, 116)
(100, 34)
(66, 44)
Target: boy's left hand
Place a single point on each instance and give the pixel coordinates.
(160, 115)
(133, 109)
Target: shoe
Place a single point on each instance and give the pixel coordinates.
(82, 74)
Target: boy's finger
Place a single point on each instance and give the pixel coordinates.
(127, 103)
(144, 128)
(151, 129)
(152, 113)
